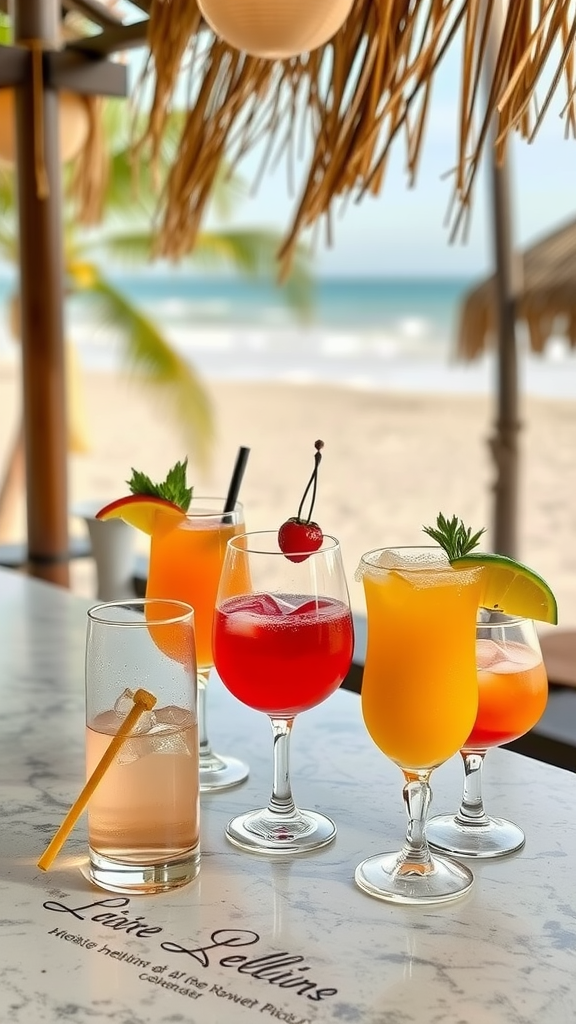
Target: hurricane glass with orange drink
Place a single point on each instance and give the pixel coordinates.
(419, 701)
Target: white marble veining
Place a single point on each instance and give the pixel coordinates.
(213, 951)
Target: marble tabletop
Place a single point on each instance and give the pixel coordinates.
(218, 949)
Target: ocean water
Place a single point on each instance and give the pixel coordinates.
(395, 334)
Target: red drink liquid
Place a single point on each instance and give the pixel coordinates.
(282, 654)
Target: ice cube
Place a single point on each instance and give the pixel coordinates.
(287, 605)
(248, 613)
(165, 741)
(514, 658)
(172, 716)
(145, 723)
(106, 722)
(161, 739)
(311, 606)
(125, 703)
(487, 653)
(128, 752)
(412, 558)
(261, 604)
(399, 559)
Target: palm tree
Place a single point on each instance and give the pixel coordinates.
(124, 235)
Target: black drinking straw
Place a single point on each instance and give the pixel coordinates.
(236, 481)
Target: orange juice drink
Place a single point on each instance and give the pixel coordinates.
(420, 687)
(186, 559)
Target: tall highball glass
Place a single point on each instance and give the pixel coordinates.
(512, 690)
(419, 701)
(186, 557)
(283, 642)
(143, 816)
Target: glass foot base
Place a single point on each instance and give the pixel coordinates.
(495, 838)
(389, 878)
(261, 832)
(116, 876)
(221, 772)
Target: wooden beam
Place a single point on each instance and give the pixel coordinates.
(84, 73)
(113, 40)
(94, 11)
(71, 69)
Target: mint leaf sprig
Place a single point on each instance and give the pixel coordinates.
(173, 488)
(451, 534)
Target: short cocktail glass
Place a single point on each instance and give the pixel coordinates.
(513, 690)
(143, 816)
(419, 701)
(283, 642)
(186, 557)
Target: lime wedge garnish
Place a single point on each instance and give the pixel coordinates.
(510, 587)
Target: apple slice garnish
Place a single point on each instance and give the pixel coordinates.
(140, 510)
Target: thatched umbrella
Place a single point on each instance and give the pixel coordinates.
(544, 299)
(349, 99)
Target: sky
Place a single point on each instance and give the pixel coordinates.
(402, 231)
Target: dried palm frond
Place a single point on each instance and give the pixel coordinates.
(91, 168)
(351, 99)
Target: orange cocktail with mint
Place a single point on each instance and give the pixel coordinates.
(188, 537)
(186, 557)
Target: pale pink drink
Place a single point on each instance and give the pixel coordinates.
(143, 816)
(145, 807)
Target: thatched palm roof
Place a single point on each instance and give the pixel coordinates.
(353, 97)
(342, 105)
(545, 297)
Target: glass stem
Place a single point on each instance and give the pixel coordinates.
(281, 801)
(417, 798)
(203, 741)
(471, 810)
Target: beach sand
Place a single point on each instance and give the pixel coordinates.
(391, 463)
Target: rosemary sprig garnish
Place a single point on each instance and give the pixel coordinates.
(451, 534)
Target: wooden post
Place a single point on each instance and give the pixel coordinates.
(36, 24)
(504, 443)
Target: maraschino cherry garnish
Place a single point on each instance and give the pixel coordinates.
(298, 537)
